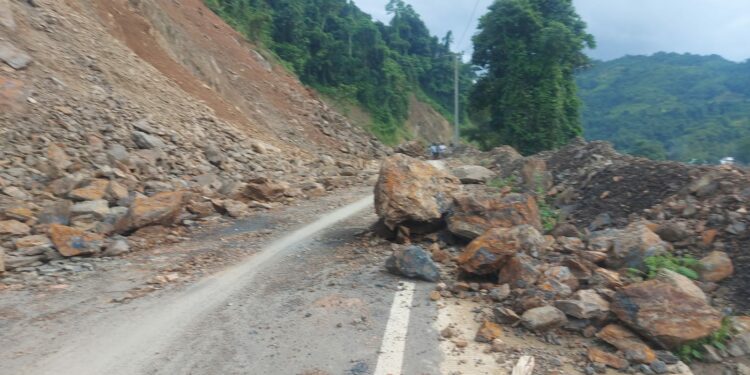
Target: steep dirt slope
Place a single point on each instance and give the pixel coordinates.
(105, 103)
(427, 124)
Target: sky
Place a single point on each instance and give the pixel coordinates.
(621, 27)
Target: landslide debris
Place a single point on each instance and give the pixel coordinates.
(121, 119)
(646, 256)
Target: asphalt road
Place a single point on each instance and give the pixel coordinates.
(310, 302)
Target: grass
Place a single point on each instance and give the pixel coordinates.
(548, 214)
(500, 183)
(686, 266)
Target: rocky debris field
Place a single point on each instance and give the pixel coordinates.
(626, 264)
(98, 148)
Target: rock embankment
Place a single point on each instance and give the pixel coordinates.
(645, 274)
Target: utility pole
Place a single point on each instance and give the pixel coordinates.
(457, 132)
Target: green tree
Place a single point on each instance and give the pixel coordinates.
(336, 48)
(528, 51)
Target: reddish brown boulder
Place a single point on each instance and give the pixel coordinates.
(477, 211)
(599, 356)
(265, 190)
(412, 191)
(95, 190)
(74, 242)
(490, 251)
(160, 209)
(716, 266)
(488, 331)
(628, 342)
(519, 272)
(667, 315)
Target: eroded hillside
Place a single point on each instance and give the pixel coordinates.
(107, 103)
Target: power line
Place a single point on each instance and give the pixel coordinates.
(468, 24)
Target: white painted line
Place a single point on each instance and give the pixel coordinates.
(391, 358)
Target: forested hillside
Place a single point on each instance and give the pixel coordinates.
(670, 106)
(342, 52)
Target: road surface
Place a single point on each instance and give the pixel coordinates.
(309, 300)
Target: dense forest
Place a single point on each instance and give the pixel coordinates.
(528, 51)
(669, 106)
(342, 52)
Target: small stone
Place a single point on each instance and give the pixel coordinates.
(628, 342)
(659, 367)
(98, 208)
(95, 190)
(460, 343)
(13, 56)
(435, 295)
(500, 293)
(599, 356)
(15, 192)
(488, 332)
(147, 141)
(413, 262)
(498, 345)
(19, 213)
(543, 318)
(716, 267)
(14, 228)
(447, 332)
(117, 247)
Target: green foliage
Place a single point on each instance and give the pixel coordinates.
(669, 106)
(339, 50)
(686, 266)
(547, 213)
(528, 51)
(500, 183)
(694, 350)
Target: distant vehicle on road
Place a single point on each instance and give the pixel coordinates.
(727, 161)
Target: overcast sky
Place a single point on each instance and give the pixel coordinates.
(621, 27)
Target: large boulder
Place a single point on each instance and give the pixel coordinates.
(264, 190)
(473, 174)
(660, 311)
(160, 209)
(475, 212)
(629, 247)
(412, 191)
(74, 242)
(489, 252)
(507, 159)
(414, 262)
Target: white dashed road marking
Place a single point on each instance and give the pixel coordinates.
(391, 358)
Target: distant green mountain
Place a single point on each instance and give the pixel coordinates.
(669, 106)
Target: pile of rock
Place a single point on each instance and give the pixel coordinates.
(85, 158)
(586, 280)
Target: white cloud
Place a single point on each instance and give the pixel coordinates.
(620, 26)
